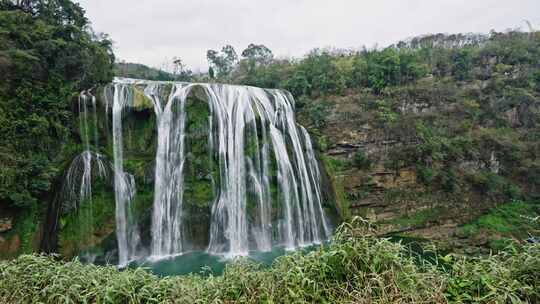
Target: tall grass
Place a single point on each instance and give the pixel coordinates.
(355, 268)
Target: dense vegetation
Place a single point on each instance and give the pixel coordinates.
(47, 54)
(354, 268)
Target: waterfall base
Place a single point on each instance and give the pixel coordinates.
(200, 262)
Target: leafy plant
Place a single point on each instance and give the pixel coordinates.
(354, 267)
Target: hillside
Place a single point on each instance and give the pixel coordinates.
(140, 71)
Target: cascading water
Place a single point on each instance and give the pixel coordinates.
(167, 210)
(76, 191)
(127, 234)
(266, 186)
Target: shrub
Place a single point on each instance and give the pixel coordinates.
(361, 160)
(355, 267)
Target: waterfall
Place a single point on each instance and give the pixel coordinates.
(168, 193)
(77, 186)
(124, 183)
(315, 177)
(76, 191)
(266, 187)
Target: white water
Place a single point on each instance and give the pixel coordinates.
(168, 194)
(76, 192)
(249, 130)
(77, 186)
(124, 184)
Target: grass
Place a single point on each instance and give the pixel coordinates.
(355, 268)
(513, 219)
(335, 164)
(418, 219)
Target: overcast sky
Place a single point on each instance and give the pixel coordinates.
(153, 31)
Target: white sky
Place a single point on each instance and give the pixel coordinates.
(153, 31)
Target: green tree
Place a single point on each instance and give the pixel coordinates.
(258, 54)
(47, 55)
(462, 64)
(180, 70)
(223, 63)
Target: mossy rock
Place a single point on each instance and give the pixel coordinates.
(141, 101)
(89, 225)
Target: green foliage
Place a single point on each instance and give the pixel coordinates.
(258, 54)
(318, 114)
(448, 180)
(335, 167)
(494, 185)
(462, 64)
(27, 227)
(425, 175)
(201, 168)
(361, 160)
(82, 228)
(513, 219)
(354, 267)
(509, 277)
(47, 55)
(224, 62)
(384, 112)
(418, 219)
(322, 74)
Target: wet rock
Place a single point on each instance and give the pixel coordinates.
(15, 244)
(6, 224)
(9, 246)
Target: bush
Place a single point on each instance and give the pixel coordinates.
(426, 175)
(318, 114)
(361, 160)
(494, 185)
(355, 268)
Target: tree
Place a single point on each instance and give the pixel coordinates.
(223, 63)
(462, 66)
(258, 54)
(321, 73)
(180, 70)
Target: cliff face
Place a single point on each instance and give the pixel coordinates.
(434, 160)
